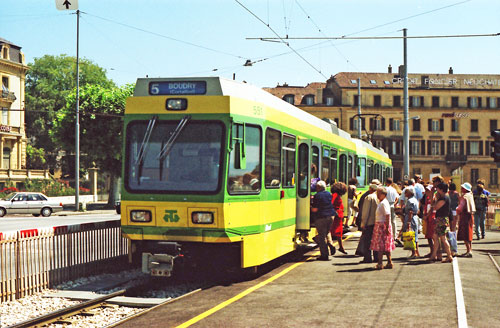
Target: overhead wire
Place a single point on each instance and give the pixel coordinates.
(283, 41)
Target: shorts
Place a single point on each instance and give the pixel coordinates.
(442, 226)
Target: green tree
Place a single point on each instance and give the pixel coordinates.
(101, 125)
(49, 81)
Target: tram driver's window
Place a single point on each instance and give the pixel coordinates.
(246, 180)
(273, 159)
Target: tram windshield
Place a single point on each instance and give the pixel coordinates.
(191, 164)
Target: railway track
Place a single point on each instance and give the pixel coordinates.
(63, 316)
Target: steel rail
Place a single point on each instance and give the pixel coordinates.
(494, 262)
(65, 313)
(135, 315)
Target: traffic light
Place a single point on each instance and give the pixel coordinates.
(495, 146)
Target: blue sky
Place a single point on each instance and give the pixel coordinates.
(208, 38)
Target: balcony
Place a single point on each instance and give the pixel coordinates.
(8, 95)
(455, 159)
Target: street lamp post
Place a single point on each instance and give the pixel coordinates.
(406, 129)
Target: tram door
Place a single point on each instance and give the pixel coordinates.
(303, 188)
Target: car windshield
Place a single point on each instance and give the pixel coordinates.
(191, 164)
(10, 196)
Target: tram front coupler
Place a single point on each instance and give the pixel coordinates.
(161, 264)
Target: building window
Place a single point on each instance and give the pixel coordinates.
(474, 148)
(493, 177)
(416, 125)
(454, 101)
(416, 147)
(289, 99)
(396, 147)
(493, 125)
(474, 102)
(492, 102)
(417, 170)
(6, 158)
(394, 124)
(454, 148)
(474, 175)
(378, 144)
(474, 126)
(454, 125)
(377, 124)
(396, 101)
(5, 52)
(377, 101)
(436, 125)
(355, 101)
(354, 81)
(5, 116)
(308, 100)
(435, 101)
(417, 101)
(436, 170)
(5, 83)
(329, 101)
(435, 147)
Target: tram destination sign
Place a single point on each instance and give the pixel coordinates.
(178, 88)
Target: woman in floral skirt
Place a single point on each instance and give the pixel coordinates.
(382, 240)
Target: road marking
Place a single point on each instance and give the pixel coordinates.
(494, 262)
(245, 293)
(461, 314)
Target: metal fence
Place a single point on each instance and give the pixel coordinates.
(32, 260)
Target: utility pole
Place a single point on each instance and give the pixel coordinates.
(406, 129)
(77, 119)
(359, 108)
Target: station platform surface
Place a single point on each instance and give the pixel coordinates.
(346, 293)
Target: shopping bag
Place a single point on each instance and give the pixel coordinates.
(409, 240)
(452, 240)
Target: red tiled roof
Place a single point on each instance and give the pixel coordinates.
(298, 91)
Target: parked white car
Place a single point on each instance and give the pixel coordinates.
(28, 203)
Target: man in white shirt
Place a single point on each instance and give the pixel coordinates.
(392, 198)
(419, 188)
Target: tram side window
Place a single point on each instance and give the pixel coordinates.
(361, 171)
(343, 168)
(325, 165)
(350, 167)
(246, 180)
(288, 174)
(333, 165)
(315, 162)
(303, 170)
(273, 158)
(377, 171)
(370, 169)
(388, 173)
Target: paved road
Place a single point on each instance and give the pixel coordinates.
(21, 222)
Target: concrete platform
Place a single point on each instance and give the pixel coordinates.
(345, 293)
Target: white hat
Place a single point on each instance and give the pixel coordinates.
(467, 186)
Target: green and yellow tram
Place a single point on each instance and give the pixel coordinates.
(220, 170)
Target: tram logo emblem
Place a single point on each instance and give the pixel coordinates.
(171, 216)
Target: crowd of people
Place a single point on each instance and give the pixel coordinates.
(435, 209)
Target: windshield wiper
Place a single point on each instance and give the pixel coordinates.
(145, 141)
(170, 142)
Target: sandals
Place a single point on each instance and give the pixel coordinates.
(447, 260)
(388, 266)
(379, 267)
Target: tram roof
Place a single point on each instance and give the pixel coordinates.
(218, 86)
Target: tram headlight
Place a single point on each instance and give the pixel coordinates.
(202, 217)
(140, 216)
(177, 104)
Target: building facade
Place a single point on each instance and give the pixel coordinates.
(451, 116)
(12, 124)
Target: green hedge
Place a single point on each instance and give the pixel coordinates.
(51, 188)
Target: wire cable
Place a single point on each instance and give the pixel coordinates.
(164, 36)
(280, 38)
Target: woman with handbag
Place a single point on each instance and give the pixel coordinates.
(382, 240)
(442, 207)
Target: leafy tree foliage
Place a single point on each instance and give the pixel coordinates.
(49, 81)
(101, 111)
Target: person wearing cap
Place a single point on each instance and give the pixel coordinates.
(322, 207)
(411, 218)
(465, 213)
